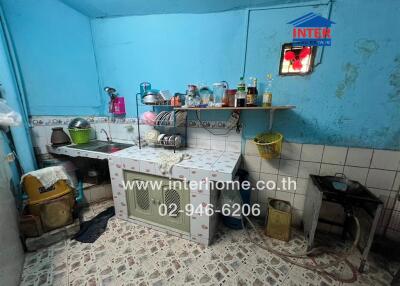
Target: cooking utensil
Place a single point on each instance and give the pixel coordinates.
(152, 97)
(79, 123)
(59, 137)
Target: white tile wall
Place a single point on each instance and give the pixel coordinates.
(384, 159)
(356, 173)
(377, 169)
(270, 166)
(334, 155)
(329, 169)
(382, 179)
(312, 153)
(307, 168)
(359, 157)
(291, 151)
(288, 167)
(218, 139)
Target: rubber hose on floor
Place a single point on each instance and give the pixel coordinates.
(316, 267)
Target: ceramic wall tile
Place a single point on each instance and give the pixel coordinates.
(330, 170)
(233, 146)
(217, 145)
(288, 167)
(308, 168)
(252, 163)
(147, 167)
(233, 136)
(396, 185)
(312, 153)
(200, 223)
(334, 155)
(284, 196)
(291, 151)
(359, 157)
(203, 143)
(287, 184)
(180, 173)
(385, 159)
(381, 179)
(356, 173)
(301, 186)
(270, 166)
(251, 148)
(268, 187)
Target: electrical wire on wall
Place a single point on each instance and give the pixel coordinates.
(232, 123)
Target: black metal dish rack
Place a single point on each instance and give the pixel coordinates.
(169, 129)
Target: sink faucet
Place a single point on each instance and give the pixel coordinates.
(105, 132)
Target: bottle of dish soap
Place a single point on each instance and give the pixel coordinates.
(240, 97)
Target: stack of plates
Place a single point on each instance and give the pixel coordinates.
(166, 118)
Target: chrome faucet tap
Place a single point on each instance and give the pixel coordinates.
(105, 132)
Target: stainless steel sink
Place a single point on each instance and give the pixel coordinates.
(101, 146)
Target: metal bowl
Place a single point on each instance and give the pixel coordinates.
(79, 123)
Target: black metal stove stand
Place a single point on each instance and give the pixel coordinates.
(354, 199)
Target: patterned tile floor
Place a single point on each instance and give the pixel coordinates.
(129, 254)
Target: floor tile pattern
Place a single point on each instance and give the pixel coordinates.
(129, 254)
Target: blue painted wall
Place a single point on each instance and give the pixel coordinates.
(10, 92)
(352, 98)
(170, 51)
(54, 47)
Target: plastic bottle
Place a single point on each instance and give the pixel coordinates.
(240, 97)
(267, 96)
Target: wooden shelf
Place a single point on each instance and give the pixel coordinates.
(276, 107)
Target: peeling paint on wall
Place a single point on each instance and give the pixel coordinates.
(394, 80)
(366, 47)
(350, 77)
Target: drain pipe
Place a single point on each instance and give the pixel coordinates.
(10, 93)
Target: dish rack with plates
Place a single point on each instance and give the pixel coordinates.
(170, 125)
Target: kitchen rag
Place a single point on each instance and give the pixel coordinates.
(49, 176)
(168, 160)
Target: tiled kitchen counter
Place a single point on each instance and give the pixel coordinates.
(211, 164)
(216, 165)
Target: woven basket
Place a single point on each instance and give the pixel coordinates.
(269, 144)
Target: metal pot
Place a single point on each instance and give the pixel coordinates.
(59, 137)
(79, 123)
(153, 97)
